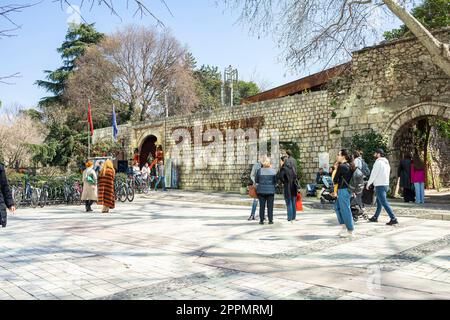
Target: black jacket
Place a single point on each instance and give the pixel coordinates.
(404, 172)
(344, 172)
(5, 194)
(287, 176)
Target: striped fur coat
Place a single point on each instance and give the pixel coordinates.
(106, 195)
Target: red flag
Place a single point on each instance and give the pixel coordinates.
(91, 124)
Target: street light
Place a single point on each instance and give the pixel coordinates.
(230, 76)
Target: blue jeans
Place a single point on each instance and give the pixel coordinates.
(255, 203)
(420, 192)
(342, 207)
(382, 201)
(291, 208)
(163, 180)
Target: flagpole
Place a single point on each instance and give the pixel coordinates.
(89, 135)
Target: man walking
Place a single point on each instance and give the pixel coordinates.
(380, 179)
(6, 199)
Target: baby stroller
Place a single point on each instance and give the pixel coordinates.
(357, 211)
(355, 207)
(311, 190)
(327, 190)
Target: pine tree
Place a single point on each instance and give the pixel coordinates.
(77, 39)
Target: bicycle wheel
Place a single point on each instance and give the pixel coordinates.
(17, 197)
(122, 193)
(130, 194)
(34, 199)
(43, 198)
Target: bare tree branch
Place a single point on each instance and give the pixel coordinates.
(4, 79)
(328, 30)
(142, 9)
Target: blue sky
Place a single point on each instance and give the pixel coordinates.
(211, 34)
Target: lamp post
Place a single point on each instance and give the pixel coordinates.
(230, 76)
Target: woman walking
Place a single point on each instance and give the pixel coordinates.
(89, 194)
(404, 173)
(418, 178)
(266, 179)
(288, 177)
(106, 187)
(342, 178)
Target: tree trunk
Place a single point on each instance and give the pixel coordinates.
(425, 149)
(440, 52)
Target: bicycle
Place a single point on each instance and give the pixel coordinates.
(130, 189)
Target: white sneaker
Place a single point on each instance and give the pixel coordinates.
(343, 229)
(348, 234)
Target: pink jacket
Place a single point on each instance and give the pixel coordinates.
(417, 175)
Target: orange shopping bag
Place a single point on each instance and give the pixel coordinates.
(299, 204)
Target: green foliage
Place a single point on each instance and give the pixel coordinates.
(431, 14)
(333, 114)
(78, 38)
(245, 177)
(61, 145)
(63, 142)
(105, 147)
(368, 143)
(244, 89)
(209, 86)
(443, 127)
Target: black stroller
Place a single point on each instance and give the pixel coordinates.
(357, 210)
(327, 190)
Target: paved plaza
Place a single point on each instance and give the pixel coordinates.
(160, 248)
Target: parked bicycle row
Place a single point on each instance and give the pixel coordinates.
(30, 192)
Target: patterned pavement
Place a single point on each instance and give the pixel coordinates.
(162, 249)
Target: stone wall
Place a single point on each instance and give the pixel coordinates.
(385, 88)
(301, 119)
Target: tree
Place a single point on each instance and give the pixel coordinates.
(77, 40)
(17, 132)
(93, 79)
(368, 143)
(209, 87)
(432, 14)
(245, 89)
(148, 63)
(313, 30)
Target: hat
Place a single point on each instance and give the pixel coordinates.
(380, 151)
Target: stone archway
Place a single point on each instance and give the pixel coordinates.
(399, 130)
(148, 146)
(425, 109)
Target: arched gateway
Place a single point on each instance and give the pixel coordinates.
(147, 147)
(421, 110)
(402, 140)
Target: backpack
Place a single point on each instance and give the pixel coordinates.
(356, 184)
(365, 168)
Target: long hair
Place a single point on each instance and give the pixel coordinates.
(107, 165)
(418, 163)
(349, 158)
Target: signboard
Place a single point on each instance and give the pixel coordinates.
(324, 161)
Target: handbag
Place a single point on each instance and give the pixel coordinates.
(90, 179)
(252, 192)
